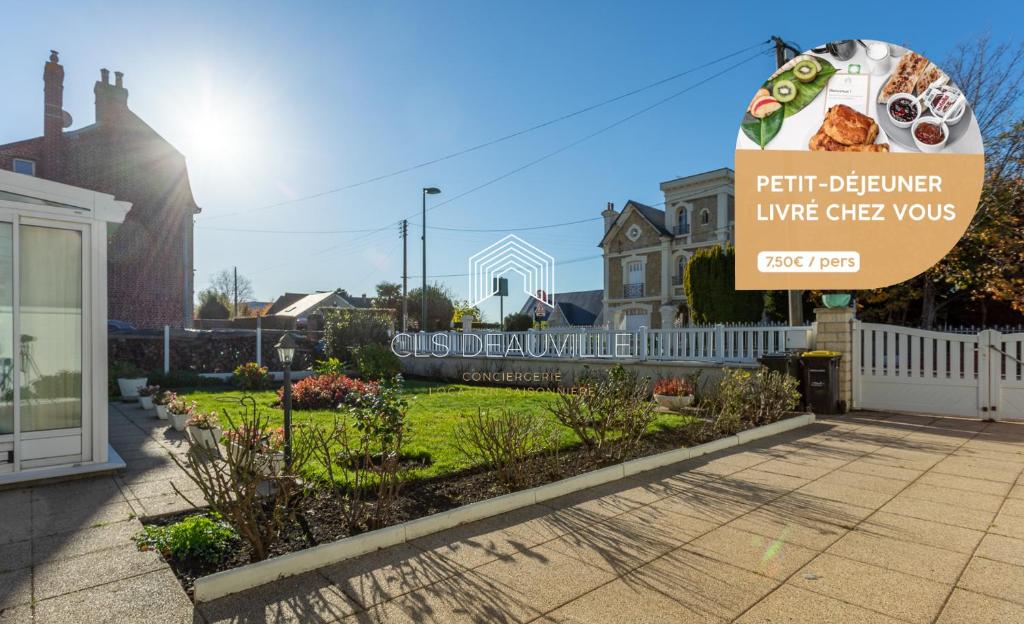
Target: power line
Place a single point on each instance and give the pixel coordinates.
(429, 227)
(573, 261)
(500, 139)
(597, 132)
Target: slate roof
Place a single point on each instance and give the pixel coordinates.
(579, 308)
(654, 216)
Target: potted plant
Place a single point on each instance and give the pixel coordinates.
(129, 380)
(673, 393)
(204, 429)
(180, 411)
(146, 395)
(160, 402)
(267, 445)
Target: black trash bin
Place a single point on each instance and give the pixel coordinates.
(787, 363)
(821, 381)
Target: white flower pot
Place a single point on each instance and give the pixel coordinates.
(161, 412)
(275, 463)
(673, 402)
(130, 387)
(206, 438)
(146, 402)
(178, 421)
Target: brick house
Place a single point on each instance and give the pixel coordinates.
(646, 249)
(150, 269)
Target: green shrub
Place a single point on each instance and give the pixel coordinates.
(347, 329)
(251, 376)
(330, 366)
(375, 362)
(198, 540)
(710, 284)
(182, 379)
(743, 399)
(518, 322)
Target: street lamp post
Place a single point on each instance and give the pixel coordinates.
(428, 190)
(286, 353)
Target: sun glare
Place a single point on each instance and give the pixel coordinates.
(217, 131)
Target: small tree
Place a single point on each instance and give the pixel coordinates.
(710, 283)
(347, 329)
(223, 283)
(440, 308)
(518, 322)
(463, 308)
(212, 305)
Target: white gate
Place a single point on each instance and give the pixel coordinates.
(916, 370)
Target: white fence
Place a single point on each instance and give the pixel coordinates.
(916, 370)
(715, 344)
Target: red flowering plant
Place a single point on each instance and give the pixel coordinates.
(327, 391)
(673, 386)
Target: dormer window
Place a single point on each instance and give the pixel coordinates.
(23, 165)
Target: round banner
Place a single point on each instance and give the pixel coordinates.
(859, 164)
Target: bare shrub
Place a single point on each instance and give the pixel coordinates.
(362, 452)
(609, 413)
(507, 441)
(241, 485)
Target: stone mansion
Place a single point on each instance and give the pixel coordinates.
(646, 249)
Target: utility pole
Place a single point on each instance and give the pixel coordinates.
(794, 298)
(236, 292)
(427, 190)
(404, 229)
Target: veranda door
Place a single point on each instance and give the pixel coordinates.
(45, 418)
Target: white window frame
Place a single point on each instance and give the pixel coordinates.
(14, 165)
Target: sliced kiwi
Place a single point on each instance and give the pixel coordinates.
(784, 90)
(805, 71)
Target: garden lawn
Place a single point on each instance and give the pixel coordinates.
(434, 411)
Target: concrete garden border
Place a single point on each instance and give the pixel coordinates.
(227, 582)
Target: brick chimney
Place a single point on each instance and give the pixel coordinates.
(111, 99)
(609, 215)
(53, 115)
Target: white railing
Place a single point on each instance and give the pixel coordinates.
(712, 344)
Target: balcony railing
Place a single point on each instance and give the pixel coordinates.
(632, 291)
(681, 228)
(677, 280)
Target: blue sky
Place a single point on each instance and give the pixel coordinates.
(272, 101)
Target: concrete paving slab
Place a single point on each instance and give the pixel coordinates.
(145, 599)
(872, 466)
(977, 519)
(912, 558)
(994, 578)
(15, 555)
(1001, 548)
(628, 601)
(980, 468)
(63, 576)
(15, 588)
(85, 540)
(776, 558)
(905, 597)
(966, 606)
(1008, 525)
(702, 584)
(792, 605)
(780, 521)
(386, 574)
(305, 598)
(468, 598)
(538, 577)
(910, 529)
(845, 494)
(966, 484)
(80, 518)
(954, 497)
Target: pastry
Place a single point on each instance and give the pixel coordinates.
(906, 76)
(930, 76)
(821, 142)
(845, 125)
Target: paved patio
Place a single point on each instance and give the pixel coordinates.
(66, 553)
(865, 518)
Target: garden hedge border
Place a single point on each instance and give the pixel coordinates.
(228, 582)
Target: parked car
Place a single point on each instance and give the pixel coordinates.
(115, 326)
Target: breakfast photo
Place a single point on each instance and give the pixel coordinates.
(859, 95)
